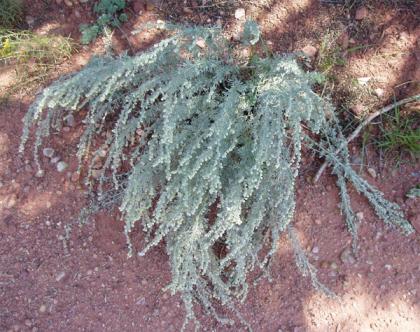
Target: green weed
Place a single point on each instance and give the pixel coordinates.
(400, 134)
(11, 12)
(32, 57)
(110, 14)
(330, 55)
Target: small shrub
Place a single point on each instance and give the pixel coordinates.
(11, 12)
(110, 14)
(204, 153)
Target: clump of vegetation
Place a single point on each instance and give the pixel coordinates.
(400, 134)
(31, 56)
(413, 192)
(11, 12)
(204, 153)
(110, 15)
(330, 55)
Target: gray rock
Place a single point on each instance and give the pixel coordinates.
(61, 166)
(379, 92)
(372, 172)
(60, 276)
(48, 152)
(40, 173)
(240, 13)
(347, 257)
(69, 119)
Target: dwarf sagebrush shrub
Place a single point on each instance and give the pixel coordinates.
(205, 149)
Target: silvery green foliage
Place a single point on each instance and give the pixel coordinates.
(251, 34)
(196, 127)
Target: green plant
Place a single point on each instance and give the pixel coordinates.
(11, 12)
(413, 192)
(203, 150)
(400, 134)
(109, 15)
(329, 55)
(32, 56)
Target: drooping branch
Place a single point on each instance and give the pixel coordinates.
(365, 122)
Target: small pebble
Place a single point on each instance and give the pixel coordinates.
(40, 173)
(240, 13)
(315, 250)
(69, 119)
(360, 216)
(102, 153)
(60, 276)
(310, 51)
(48, 152)
(11, 202)
(318, 221)
(379, 92)
(42, 308)
(347, 257)
(372, 172)
(61, 166)
(141, 301)
(358, 109)
(363, 80)
(201, 43)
